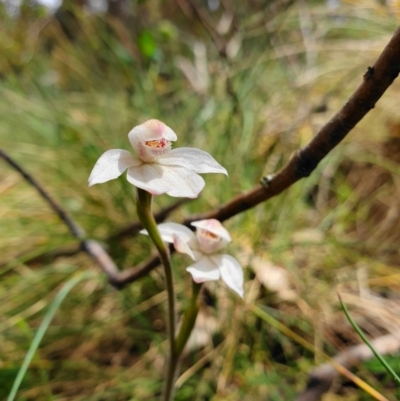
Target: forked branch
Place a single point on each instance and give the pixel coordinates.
(93, 248)
(374, 84)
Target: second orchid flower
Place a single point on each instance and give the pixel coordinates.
(202, 247)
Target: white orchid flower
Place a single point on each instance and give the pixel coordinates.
(202, 246)
(157, 168)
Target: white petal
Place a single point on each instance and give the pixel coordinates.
(148, 131)
(182, 247)
(112, 164)
(215, 227)
(204, 270)
(231, 272)
(197, 254)
(158, 179)
(167, 231)
(194, 159)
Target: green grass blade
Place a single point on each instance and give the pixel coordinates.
(365, 340)
(43, 328)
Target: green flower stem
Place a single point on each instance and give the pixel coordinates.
(189, 320)
(184, 333)
(146, 217)
(177, 344)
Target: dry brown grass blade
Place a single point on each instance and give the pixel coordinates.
(321, 378)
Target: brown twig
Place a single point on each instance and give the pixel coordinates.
(321, 378)
(91, 247)
(129, 230)
(374, 84)
(75, 230)
(135, 273)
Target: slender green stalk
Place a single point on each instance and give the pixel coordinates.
(189, 319)
(186, 328)
(146, 217)
(365, 339)
(177, 344)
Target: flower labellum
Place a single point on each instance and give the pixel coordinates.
(202, 246)
(156, 167)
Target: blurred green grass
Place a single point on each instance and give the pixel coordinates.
(63, 103)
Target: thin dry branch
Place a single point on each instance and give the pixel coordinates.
(321, 378)
(129, 230)
(91, 247)
(75, 230)
(374, 84)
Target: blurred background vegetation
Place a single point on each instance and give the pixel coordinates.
(249, 82)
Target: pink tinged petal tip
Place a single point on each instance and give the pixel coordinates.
(111, 165)
(231, 272)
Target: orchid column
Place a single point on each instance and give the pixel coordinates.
(156, 169)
